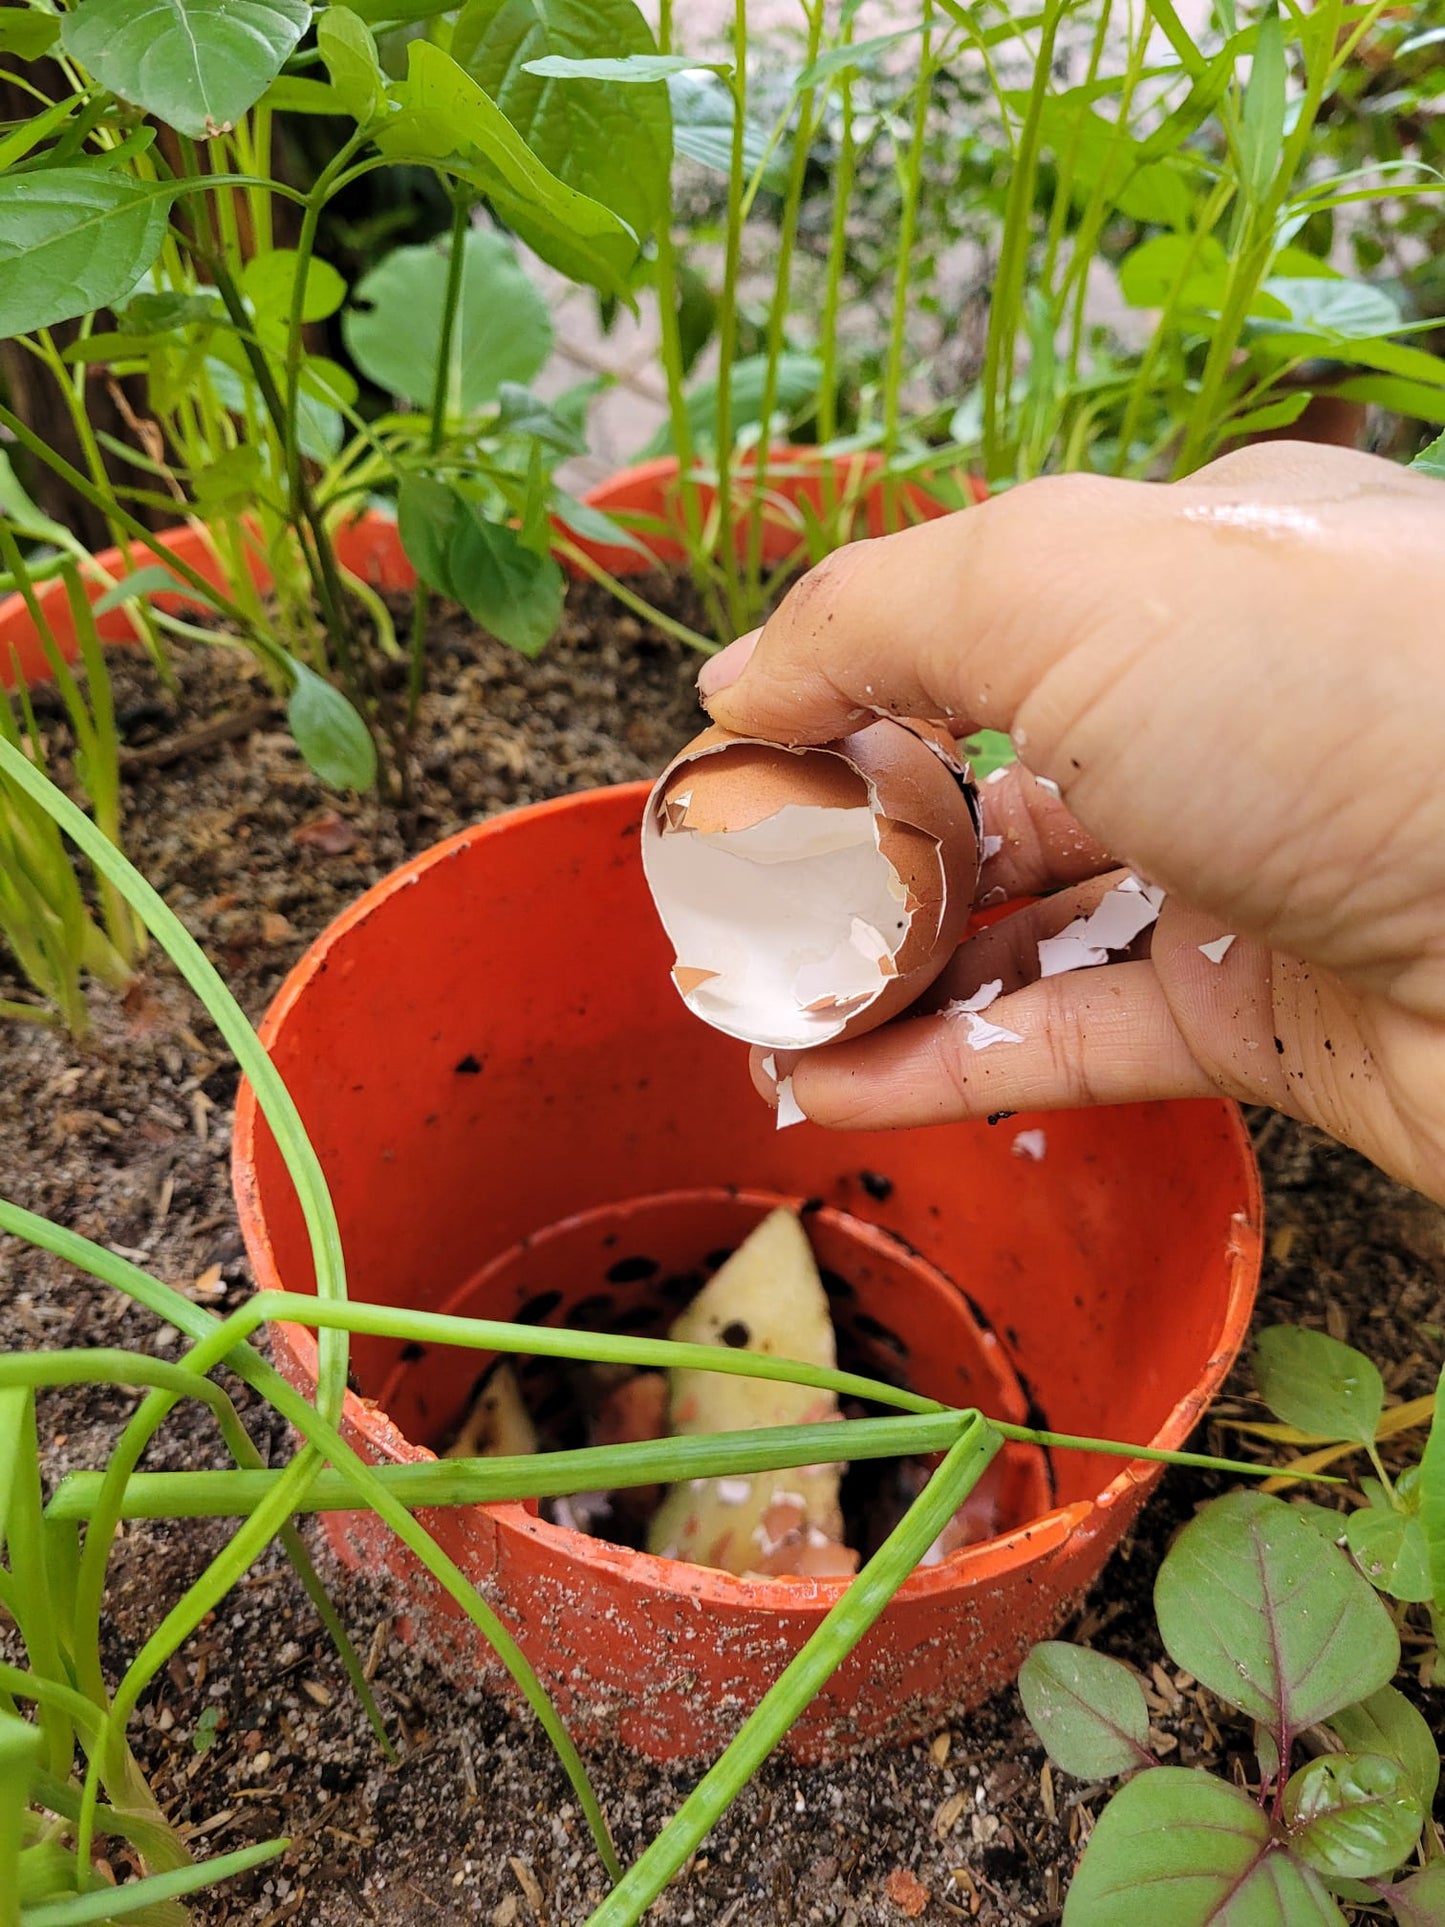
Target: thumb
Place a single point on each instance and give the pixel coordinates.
(954, 620)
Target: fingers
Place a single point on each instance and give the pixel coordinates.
(1032, 841)
(1104, 1036)
(1199, 668)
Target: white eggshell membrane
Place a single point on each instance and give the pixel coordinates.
(804, 890)
(795, 921)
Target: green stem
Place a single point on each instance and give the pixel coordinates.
(1001, 346)
(911, 181)
(436, 428)
(805, 1676)
(539, 1475)
(629, 598)
(670, 342)
(780, 306)
(275, 1101)
(737, 610)
(836, 269)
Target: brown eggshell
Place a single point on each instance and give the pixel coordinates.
(926, 813)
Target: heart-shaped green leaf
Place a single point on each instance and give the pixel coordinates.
(1386, 1723)
(1312, 1381)
(329, 734)
(73, 240)
(1177, 1847)
(511, 590)
(1323, 305)
(196, 64)
(1352, 1815)
(1391, 1551)
(1254, 1604)
(1088, 1710)
(502, 333)
(610, 137)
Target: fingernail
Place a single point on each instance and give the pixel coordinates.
(721, 671)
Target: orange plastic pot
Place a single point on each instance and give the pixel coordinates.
(799, 484)
(370, 547)
(520, 1120)
(486, 1048)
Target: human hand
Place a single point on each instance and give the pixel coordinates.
(1237, 683)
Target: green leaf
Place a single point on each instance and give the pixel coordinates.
(1322, 305)
(295, 94)
(1420, 1901)
(611, 138)
(593, 526)
(1175, 1848)
(1386, 1723)
(520, 412)
(1431, 461)
(1148, 273)
(1254, 1604)
(447, 118)
(329, 734)
(798, 381)
(1352, 1816)
(269, 281)
(1409, 398)
(1275, 414)
(512, 591)
(73, 240)
(17, 507)
(503, 332)
(1261, 130)
(1144, 190)
(401, 10)
(116, 1903)
(349, 55)
(1313, 1381)
(1391, 1550)
(632, 69)
(988, 750)
(149, 581)
(702, 128)
(27, 33)
(857, 53)
(1087, 1709)
(1323, 1519)
(1432, 1484)
(196, 64)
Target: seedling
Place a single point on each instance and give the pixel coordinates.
(1296, 1636)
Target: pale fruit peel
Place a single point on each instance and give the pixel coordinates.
(767, 1298)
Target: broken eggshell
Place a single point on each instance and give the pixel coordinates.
(811, 894)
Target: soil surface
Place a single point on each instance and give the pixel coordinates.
(252, 1730)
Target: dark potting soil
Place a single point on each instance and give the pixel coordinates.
(251, 1730)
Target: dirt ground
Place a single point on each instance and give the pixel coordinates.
(252, 1731)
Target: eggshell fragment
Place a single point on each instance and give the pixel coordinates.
(812, 893)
